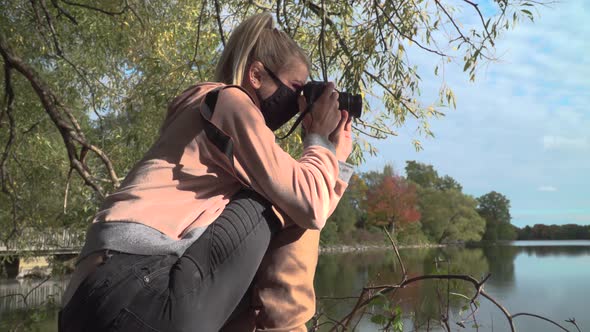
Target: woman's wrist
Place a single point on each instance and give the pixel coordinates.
(317, 139)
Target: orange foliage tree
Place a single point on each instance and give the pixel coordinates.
(392, 203)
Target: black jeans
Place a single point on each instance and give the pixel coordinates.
(196, 292)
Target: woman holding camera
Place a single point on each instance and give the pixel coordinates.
(179, 244)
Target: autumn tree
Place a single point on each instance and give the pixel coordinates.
(392, 203)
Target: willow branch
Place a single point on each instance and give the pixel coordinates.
(72, 19)
(467, 40)
(483, 23)
(406, 36)
(39, 23)
(69, 130)
(219, 25)
(60, 54)
(193, 61)
(100, 10)
(8, 112)
(56, 44)
(5, 179)
(318, 11)
(386, 88)
(368, 134)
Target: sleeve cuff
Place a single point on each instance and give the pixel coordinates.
(345, 171)
(316, 139)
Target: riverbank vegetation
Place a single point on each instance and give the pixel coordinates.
(421, 208)
(425, 208)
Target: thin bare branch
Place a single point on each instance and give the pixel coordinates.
(219, 24)
(100, 10)
(72, 19)
(396, 28)
(540, 317)
(483, 23)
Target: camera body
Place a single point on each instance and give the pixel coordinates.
(353, 104)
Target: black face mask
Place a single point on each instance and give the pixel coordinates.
(281, 106)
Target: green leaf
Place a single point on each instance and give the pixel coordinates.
(467, 65)
(379, 319)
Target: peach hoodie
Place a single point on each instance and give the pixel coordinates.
(184, 182)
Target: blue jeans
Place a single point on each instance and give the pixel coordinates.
(198, 291)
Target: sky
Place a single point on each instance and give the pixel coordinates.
(522, 128)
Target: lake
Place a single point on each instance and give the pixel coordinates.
(548, 278)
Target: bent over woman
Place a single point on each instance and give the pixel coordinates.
(177, 246)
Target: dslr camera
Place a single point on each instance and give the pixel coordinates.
(347, 101)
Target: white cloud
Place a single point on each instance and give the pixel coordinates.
(522, 124)
(547, 188)
(560, 142)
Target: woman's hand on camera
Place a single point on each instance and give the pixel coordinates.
(324, 116)
(342, 137)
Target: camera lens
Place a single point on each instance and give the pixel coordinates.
(356, 105)
(352, 103)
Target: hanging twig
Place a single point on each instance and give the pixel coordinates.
(395, 27)
(100, 10)
(193, 61)
(219, 25)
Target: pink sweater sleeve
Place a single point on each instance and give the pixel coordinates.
(306, 190)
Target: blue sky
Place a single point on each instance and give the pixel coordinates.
(523, 128)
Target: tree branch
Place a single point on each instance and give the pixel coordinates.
(106, 12)
(219, 25)
(72, 19)
(483, 23)
(404, 35)
(69, 130)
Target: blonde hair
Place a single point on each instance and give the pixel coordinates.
(256, 39)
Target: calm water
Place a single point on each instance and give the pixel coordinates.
(550, 278)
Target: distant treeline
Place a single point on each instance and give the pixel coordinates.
(554, 232)
(425, 207)
(422, 207)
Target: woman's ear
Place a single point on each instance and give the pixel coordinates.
(254, 75)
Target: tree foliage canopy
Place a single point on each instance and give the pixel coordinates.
(495, 209)
(86, 83)
(392, 203)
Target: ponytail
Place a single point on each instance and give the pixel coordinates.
(274, 49)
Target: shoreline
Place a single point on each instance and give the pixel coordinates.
(346, 248)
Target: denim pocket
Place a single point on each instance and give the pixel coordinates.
(154, 275)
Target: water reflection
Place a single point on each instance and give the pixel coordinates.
(533, 266)
(545, 277)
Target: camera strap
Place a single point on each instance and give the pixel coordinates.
(298, 121)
